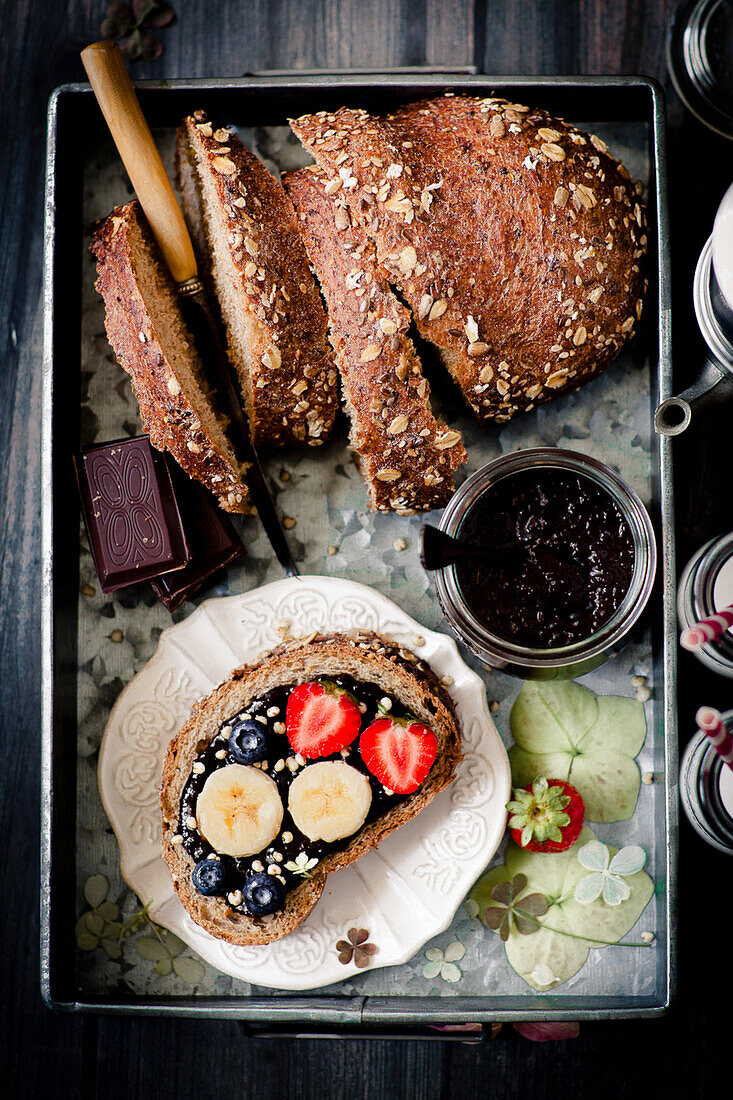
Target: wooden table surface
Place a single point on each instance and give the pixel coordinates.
(47, 1055)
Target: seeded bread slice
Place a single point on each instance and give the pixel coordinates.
(406, 456)
(515, 238)
(151, 342)
(366, 657)
(247, 241)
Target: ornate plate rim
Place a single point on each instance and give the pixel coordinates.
(468, 690)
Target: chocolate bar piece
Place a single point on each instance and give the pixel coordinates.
(214, 542)
(130, 511)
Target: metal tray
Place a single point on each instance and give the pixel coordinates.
(74, 126)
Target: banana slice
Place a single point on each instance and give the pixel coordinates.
(329, 800)
(239, 810)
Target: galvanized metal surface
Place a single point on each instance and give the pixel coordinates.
(70, 112)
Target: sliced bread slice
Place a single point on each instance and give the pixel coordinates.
(151, 342)
(247, 243)
(406, 456)
(366, 657)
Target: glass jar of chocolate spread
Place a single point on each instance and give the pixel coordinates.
(706, 586)
(566, 566)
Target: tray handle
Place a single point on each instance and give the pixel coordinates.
(427, 1034)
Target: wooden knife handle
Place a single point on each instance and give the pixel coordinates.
(116, 97)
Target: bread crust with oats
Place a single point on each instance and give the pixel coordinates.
(515, 238)
(366, 657)
(406, 456)
(249, 248)
(151, 342)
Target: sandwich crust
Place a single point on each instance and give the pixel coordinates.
(366, 657)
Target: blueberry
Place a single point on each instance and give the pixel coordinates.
(209, 877)
(263, 894)
(247, 741)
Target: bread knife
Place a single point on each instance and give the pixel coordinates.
(116, 97)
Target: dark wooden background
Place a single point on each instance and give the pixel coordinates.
(46, 1055)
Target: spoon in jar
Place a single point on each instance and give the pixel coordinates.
(438, 549)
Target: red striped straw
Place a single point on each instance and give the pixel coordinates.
(711, 722)
(707, 629)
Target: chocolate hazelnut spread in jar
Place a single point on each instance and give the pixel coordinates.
(567, 569)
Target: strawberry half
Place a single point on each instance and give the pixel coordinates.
(320, 719)
(398, 753)
(546, 817)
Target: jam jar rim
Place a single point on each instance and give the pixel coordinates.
(491, 647)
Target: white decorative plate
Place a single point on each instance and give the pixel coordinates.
(406, 891)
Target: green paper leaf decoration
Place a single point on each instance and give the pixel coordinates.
(615, 890)
(565, 731)
(151, 949)
(534, 904)
(174, 945)
(112, 948)
(493, 917)
(163, 966)
(190, 970)
(85, 941)
(594, 856)
(450, 973)
(502, 893)
(96, 889)
(589, 888)
(454, 952)
(628, 861)
(525, 926)
(108, 910)
(94, 923)
(547, 959)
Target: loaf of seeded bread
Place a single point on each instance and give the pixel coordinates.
(248, 246)
(364, 656)
(150, 341)
(515, 238)
(406, 456)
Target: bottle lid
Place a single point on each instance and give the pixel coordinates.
(700, 60)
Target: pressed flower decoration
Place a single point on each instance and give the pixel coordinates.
(607, 874)
(130, 25)
(509, 910)
(100, 926)
(565, 731)
(443, 963)
(356, 948)
(301, 865)
(565, 929)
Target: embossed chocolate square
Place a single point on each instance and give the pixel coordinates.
(213, 541)
(130, 511)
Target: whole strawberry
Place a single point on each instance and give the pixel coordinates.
(546, 817)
